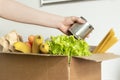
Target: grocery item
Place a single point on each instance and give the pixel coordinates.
(4, 46)
(31, 39)
(108, 41)
(44, 48)
(38, 40)
(8, 40)
(22, 47)
(81, 31)
(68, 45)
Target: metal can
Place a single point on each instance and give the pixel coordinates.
(81, 31)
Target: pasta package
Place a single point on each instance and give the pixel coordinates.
(108, 41)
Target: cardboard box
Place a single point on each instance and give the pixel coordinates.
(17, 66)
(89, 68)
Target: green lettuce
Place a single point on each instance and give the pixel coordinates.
(68, 45)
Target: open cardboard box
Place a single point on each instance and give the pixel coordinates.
(19, 66)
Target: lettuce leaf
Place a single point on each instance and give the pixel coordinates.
(68, 45)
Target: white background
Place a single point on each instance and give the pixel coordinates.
(102, 14)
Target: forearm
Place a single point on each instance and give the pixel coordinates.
(12, 10)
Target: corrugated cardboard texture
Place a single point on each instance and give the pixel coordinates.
(33, 67)
(81, 69)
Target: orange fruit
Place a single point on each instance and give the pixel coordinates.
(31, 38)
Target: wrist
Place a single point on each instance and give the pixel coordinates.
(60, 23)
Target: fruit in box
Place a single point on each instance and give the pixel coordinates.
(31, 38)
(44, 48)
(38, 40)
(22, 47)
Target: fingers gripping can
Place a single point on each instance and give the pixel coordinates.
(81, 31)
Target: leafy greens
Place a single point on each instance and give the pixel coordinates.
(68, 45)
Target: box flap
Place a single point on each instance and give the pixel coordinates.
(32, 54)
(100, 57)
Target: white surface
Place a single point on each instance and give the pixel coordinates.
(102, 14)
(51, 1)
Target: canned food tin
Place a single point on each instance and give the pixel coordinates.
(81, 31)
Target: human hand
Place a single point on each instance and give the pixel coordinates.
(68, 22)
